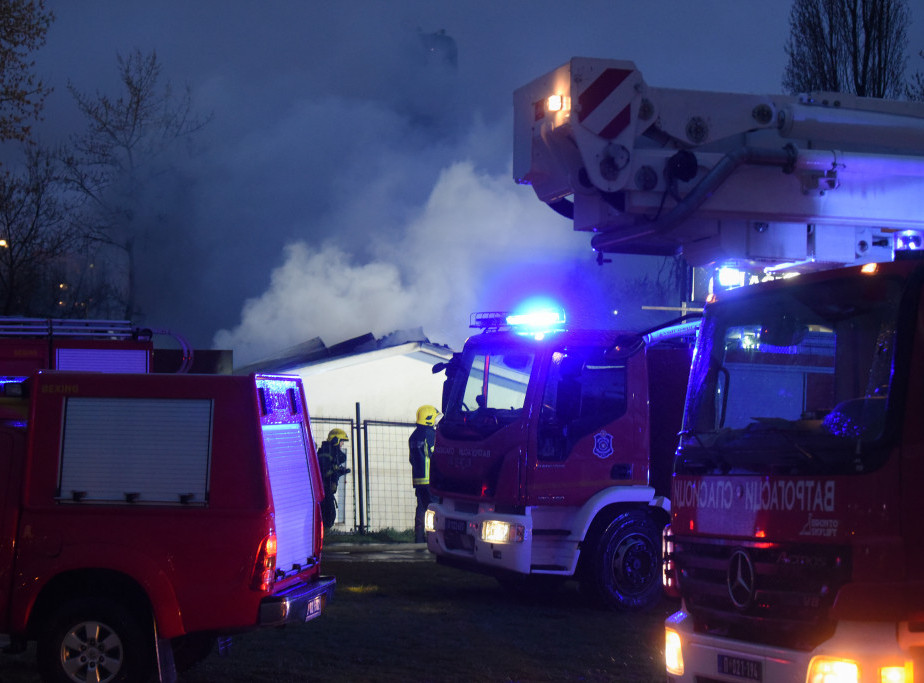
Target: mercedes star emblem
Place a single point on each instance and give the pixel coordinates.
(741, 578)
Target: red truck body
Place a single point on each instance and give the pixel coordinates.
(563, 446)
(796, 540)
(187, 505)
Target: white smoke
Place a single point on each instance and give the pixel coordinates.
(432, 276)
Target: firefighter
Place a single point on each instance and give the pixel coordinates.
(332, 459)
(421, 447)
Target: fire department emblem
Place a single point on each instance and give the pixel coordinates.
(603, 445)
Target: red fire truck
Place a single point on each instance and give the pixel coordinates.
(552, 459)
(795, 536)
(795, 539)
(142, 514)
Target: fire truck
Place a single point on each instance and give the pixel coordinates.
(552, 458)
(145, 515)
(795, 539)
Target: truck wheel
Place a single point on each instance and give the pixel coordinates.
(624, 569)
(94, 639)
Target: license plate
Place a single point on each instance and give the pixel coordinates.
(456, 525)
(314, 608)
(748, 669)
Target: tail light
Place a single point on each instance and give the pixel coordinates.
(264, 569)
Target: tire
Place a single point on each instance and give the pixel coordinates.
(94, 639)
(623, 571)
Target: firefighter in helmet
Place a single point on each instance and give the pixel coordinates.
(332, 459)
(421, 447)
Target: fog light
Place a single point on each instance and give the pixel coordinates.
(673, 653)
(494, 531)
(828, 670)
(897, 674)
(430, 520)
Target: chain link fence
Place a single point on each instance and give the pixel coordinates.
(377, 493)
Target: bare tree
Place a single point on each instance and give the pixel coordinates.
(124, 152)
(36, 238)
(915, 90)
(854, 46)
(23, 25)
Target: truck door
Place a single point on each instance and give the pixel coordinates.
(592, 426)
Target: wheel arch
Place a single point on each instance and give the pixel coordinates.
(604, 506)
(609, 504)
(86, 583)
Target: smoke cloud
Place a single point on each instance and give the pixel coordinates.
(355, 175)
(438, 270)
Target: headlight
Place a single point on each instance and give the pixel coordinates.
(829, 670)
(673, 653)
(430, 520)
(494, 531)
(897, 674)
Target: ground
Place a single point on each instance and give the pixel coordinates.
(415, 621)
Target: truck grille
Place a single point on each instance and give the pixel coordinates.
(774, 593)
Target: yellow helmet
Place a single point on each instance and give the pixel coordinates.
(337, 435)
(427, 415)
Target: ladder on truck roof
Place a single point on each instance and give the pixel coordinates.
(60, 327)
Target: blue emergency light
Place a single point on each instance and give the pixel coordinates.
(535, 322)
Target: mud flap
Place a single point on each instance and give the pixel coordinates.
(163, 649)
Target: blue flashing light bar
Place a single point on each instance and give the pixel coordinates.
(535, 323)
(537, 319)
(487, 320)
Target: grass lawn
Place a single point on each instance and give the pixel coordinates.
(419, 622)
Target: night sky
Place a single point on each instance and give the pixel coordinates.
(350, 183)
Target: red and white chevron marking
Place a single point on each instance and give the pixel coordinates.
(610, 92)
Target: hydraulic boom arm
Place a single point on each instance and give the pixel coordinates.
(761, 180)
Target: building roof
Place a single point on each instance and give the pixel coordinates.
(314, 351)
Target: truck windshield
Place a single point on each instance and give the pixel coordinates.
(793, 380)
(488, 391)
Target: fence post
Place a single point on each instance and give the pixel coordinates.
(366, 459)
(359, 476)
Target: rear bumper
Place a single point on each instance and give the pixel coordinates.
(297, 603)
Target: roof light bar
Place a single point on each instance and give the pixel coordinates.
(542, 318)
(536, 322)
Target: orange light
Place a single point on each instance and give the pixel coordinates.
(869, 268)
(264, 570)
(760, 533)
(557, 103)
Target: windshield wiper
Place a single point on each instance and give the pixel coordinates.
(708, 457)
(775, 426)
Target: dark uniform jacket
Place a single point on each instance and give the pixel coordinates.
(421, 447)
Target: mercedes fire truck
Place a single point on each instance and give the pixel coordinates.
(795, 540)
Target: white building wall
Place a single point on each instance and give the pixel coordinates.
(389, 384)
